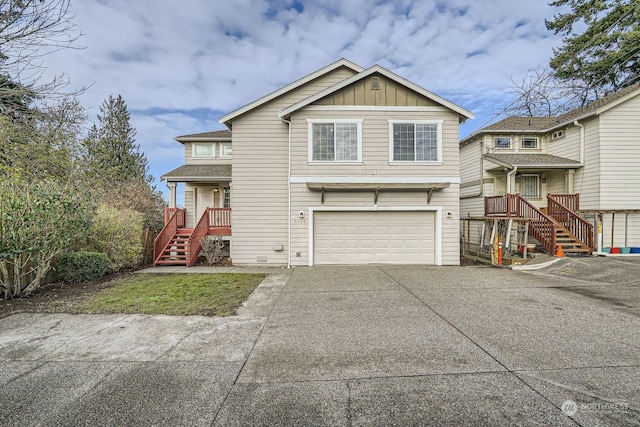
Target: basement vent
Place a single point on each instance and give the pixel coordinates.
(375, 83)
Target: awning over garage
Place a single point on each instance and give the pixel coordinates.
(376, 188)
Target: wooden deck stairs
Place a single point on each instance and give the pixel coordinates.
(176, 252)
(557, 225)
(178, 245)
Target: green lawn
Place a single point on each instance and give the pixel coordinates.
(175, 294)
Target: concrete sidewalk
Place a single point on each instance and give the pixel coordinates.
(340, 346)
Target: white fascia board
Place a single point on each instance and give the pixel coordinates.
(291, 86)
(375, 179)
(392, 76)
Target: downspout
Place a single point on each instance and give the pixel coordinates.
(509, 175)
(288, 194)
(481, 191)
(581, 126)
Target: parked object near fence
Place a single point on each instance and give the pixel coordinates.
(481, 236)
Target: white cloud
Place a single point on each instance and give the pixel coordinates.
(180, 66)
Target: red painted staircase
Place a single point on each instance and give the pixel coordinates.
(176, 251)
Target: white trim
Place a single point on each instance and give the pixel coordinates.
(522, 147)
(370, 179)
(436, 209)
(438, 123)
(291, 86)
(431, 108)
(222, 145)
(200, 144)
(388, 74)
(311, 122)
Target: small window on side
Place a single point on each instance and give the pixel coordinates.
(225, 151)
(203, 150)
(502, 142)
(557, 134)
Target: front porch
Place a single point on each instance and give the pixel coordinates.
(178, 245)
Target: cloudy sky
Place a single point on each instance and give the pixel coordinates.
(180, 66)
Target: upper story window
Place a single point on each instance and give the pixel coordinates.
(335, 140)
(225, 151)
(502, 142)
(557, 134)
(418, 141)
(529, 142)
(203, 149)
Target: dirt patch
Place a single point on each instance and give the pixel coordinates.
(58, 297)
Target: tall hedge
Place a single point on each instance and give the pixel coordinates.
(38, 220)
(117, 233)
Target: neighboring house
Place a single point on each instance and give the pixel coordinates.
(343, 166)
(592, 152)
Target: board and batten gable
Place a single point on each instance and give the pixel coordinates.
(259, 199)
(620, 155)
(376, 116)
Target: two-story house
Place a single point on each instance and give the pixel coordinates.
(585, 160)
(344, 166)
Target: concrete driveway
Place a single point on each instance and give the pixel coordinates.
(377, 345)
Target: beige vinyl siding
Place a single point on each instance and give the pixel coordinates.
(189, 204)
(587, 179)
(619, 155)
(470, 174)
(260, 165)
(375, 145)
(555, 182)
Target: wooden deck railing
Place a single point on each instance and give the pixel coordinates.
(194, 243)
(570, 201)
(174, 218)
(220, 217)
(168, 212)
(506, 205)
(573, 222)
(542, 227)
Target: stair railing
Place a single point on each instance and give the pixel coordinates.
(569, 219)
(174, 218)
(194, 243)
(542, 227)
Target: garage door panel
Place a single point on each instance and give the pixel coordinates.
(374, 237)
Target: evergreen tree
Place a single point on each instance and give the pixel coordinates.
(605, 56)
(112, 154)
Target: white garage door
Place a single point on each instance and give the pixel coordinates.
(374, 237)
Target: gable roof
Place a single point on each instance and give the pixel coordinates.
(464, 114)
(516, 124)
(291, 86)
(217, 135)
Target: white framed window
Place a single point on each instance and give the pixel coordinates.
(529, 142)
(557, 134)
(502, 142)
(335, 140)
(415, 141)
(530, 186)
(225, 151)
(226, 197)
(203, 149)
